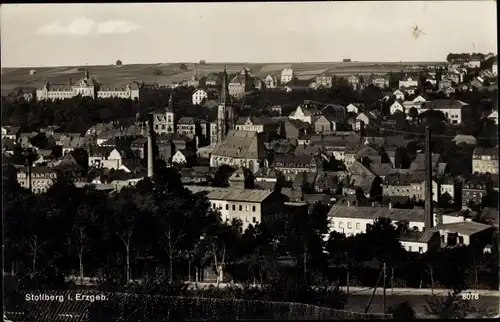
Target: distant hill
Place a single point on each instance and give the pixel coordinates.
(112, 74)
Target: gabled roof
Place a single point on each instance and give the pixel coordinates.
(395, 214)
(241, 144)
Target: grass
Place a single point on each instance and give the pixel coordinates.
(116, 75)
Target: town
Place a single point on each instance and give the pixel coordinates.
(415, 151)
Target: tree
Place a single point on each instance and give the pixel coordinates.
(219, 244)
(413, 113)
(157, 72)
(124, 223)
(450, 307)
(402, 311)
(119, 63)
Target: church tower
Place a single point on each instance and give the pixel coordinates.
(225, 112)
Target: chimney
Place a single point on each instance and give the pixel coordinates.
(428, 183)
(150, 146)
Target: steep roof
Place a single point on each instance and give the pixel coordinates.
(241, 144)
(395, 214)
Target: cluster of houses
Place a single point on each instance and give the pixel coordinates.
(284, 164)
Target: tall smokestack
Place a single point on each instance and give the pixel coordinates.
(428, 182)
(150, 146)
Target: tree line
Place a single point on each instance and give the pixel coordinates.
(160, 225)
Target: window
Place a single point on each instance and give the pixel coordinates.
(341, 224)
(420, 250)
(333, 224)
(349, 225)
(240, 208)
(227, 207)
(409, 248)
(234, 207)
(253, 208)
(357, 225)
(246, 208)
(254, 219)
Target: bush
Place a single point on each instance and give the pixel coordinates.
(157, 72)
(402, 311)
(119, 63)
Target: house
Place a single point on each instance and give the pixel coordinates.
(264, 125)
(419, 187)
(324, 80)
(411, 90)
(42, 178)
(474, 63)
(494, 67)
(140, 146)
(164, 121)
(381, 81)
(355, 108)
(464, 233)
(352, 220)
(397, 184)
(360, 177)
(364, 119)
(474, 189)
(98, 128)
(420, 241)
(287, 75)
(187, 126)
(353, 80)
(72, 142)
(97, 154)
(451, 108)
(293, 129)
(305, 113)
(251, 206)
(407, 82)
(10, 132)
(118, 157)
(485, 160)
(241, 84)
(399, 95)
(186, 157)
(240, 148)
(213, 80)
(8, 146)
(290, 165)
(327, 124)
(397, 106)
(199, 96)
(451, 187)
(271, 81)
(444, 84)
(493, 116)
(477, 83)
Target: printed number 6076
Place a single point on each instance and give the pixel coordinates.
(470, 296)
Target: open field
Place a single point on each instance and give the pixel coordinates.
(115, 75)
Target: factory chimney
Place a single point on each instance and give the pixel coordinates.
(150, 146)
(428, 180)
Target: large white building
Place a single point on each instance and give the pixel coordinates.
(452, 109)
(352, 220)
(304, 113)
(287, 75)
(251, 206)
(86, 87)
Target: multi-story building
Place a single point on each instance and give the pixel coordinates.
(381, 81)
(164, 121)
(451, 187)
(474, 189)
(291, 165)
(251, 206)
(451, 108)
(397, 184)
(352, 220)
(305, 113)
(485, 160)
(271, 81)
(407, 82)
(324, 80)
(240, 149)
(42, 178)
(287, 75)
(419, 186)
(264, 125)
(87, 87)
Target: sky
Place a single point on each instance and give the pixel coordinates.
(38, 35)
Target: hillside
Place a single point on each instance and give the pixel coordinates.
(111, 74)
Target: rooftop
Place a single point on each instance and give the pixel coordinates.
(395, 214)
(465, 227)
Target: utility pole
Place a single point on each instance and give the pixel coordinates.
(385, 277)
